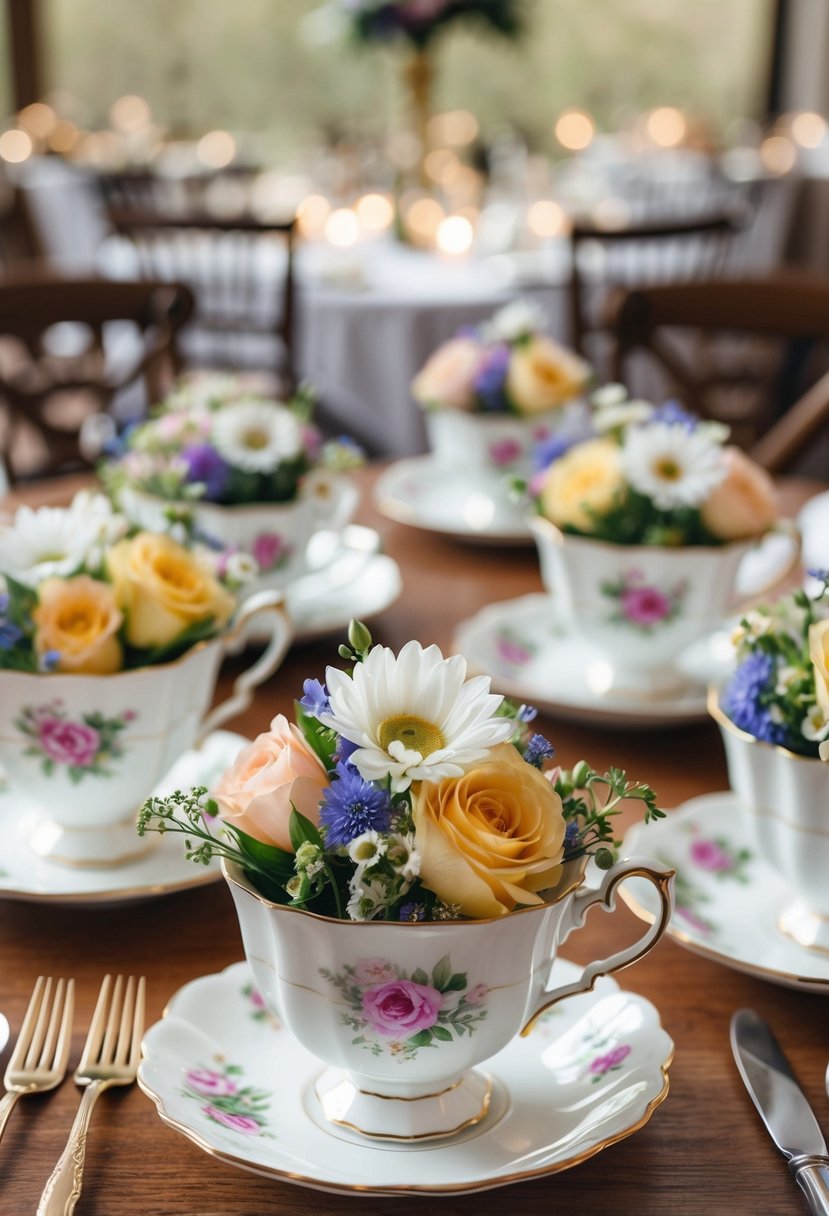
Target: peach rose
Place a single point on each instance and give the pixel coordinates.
(79, 618)
(163, 590)
(744, 504)
(491, 839)
(543, 375)
(819, 654)
(448, 378)
(275, 773)
(586, 479)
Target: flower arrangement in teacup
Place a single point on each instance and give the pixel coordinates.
(417, 21)
(388, 848)
(493, 392)
(773, 715)
(244, 471)
(641, 530)
(110, 640)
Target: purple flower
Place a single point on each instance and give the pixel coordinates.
(204, 464)
(572, 836)
(49, 660)
(10, 635)
(552, 449)
(351, 806)
(345, 750)
(538, 750)
(743, 699)
(401, 1008)
(526, 713)
(412, 911)
(315, 698)
(675, 415)
(491, 377)
(815, 572)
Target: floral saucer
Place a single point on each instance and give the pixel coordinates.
(728, 899)
(25, 876)
(232, 1078)
(347, 577)
(532, 656)
(467, 504)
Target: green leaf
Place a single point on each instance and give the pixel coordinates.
(456, 982)
(321, 739)
(421, 1039)
(440, 1032)
(420, 977)
(441, 973)
(269, 856)
(302, 830)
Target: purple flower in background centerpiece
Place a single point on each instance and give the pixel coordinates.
(205, 465)
(490, 379)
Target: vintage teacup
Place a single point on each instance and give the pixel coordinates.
(787, 797)
(276, 534)
(641, 606)
(496, 443)
(401, 1013)
(86, 750)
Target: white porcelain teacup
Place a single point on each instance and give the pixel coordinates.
(787, 797)
(641, 606)
(276, 534)
(498, 443)
(401, 1013)
(86, 750)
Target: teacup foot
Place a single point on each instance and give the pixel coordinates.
(403, 1112)
(809, 929)
(115, 844)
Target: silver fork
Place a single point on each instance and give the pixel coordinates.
(38, 1062)
(110, 1057)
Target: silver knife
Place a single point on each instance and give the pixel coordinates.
(782, 1105)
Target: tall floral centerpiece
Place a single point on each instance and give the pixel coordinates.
(410, 856)
(416, 24)
(110, 641)
(642, 528)
(773, 715)
(495, 391)
(237, 468)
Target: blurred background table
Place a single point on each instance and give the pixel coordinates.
(703, 1150)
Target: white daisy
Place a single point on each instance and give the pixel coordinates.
(621, 414)
(366, 848)
(815, 726)
(671, 465)
(257, 435)
(414, 716)
(515, 320)
(46, 543)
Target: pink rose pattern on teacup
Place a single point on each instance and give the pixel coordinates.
(611, 1061)
(241, 1108)
(720, 858)
(395, 1014)
(259, 1010)
(270, 551)
(505, 452)
(513, 650)
(641, 605)
(79, 748)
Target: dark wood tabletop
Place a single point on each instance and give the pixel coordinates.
(703, 1151)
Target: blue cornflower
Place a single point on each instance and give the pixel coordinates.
(491, 377)
(552, 449)
(315, 698)
(49, 660)
(674, 414)
(412, 911)
(351, 806)
(526, 713)
(815, 572)
(204, 464)
(538, 750)
(572, 836)
(10, 635)
(742, 700)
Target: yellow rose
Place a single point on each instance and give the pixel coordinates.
(491, 839)
(819, 654)
(163, 590)
(543, 375)
(79, 619)
(586, 479)
(744, 504)
(275, 773)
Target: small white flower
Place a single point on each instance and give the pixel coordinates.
(609, 394)
(671, 465)
(518, 319)
(717, 431)
(366, 848)
(776, 714)
(257, 435)
(786, 676)
(367, 897)
(241, 568)
(815, 726)
(403, 856)
(626, 413)
(414, 716)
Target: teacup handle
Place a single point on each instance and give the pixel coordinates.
(790, 529)
(332, 497)
(634, 867)
(264, 604)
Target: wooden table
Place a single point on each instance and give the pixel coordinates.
(704, 1150)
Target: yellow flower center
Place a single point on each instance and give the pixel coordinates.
(667, 469)
(255, 439)
(416, 734)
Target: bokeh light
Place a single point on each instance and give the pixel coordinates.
(455, 235)
(216, 149)
(575, 130)
(375, 212)
(808, 129)
(546, 218)
(342, 228)
(424, 217)
(312, 213)
(130, 113)
(667, 126)
(15, 146)
(778, 154)
(38, 119)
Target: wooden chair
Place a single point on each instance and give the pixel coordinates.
(768, 330)
(239, 267)
(55, 378)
